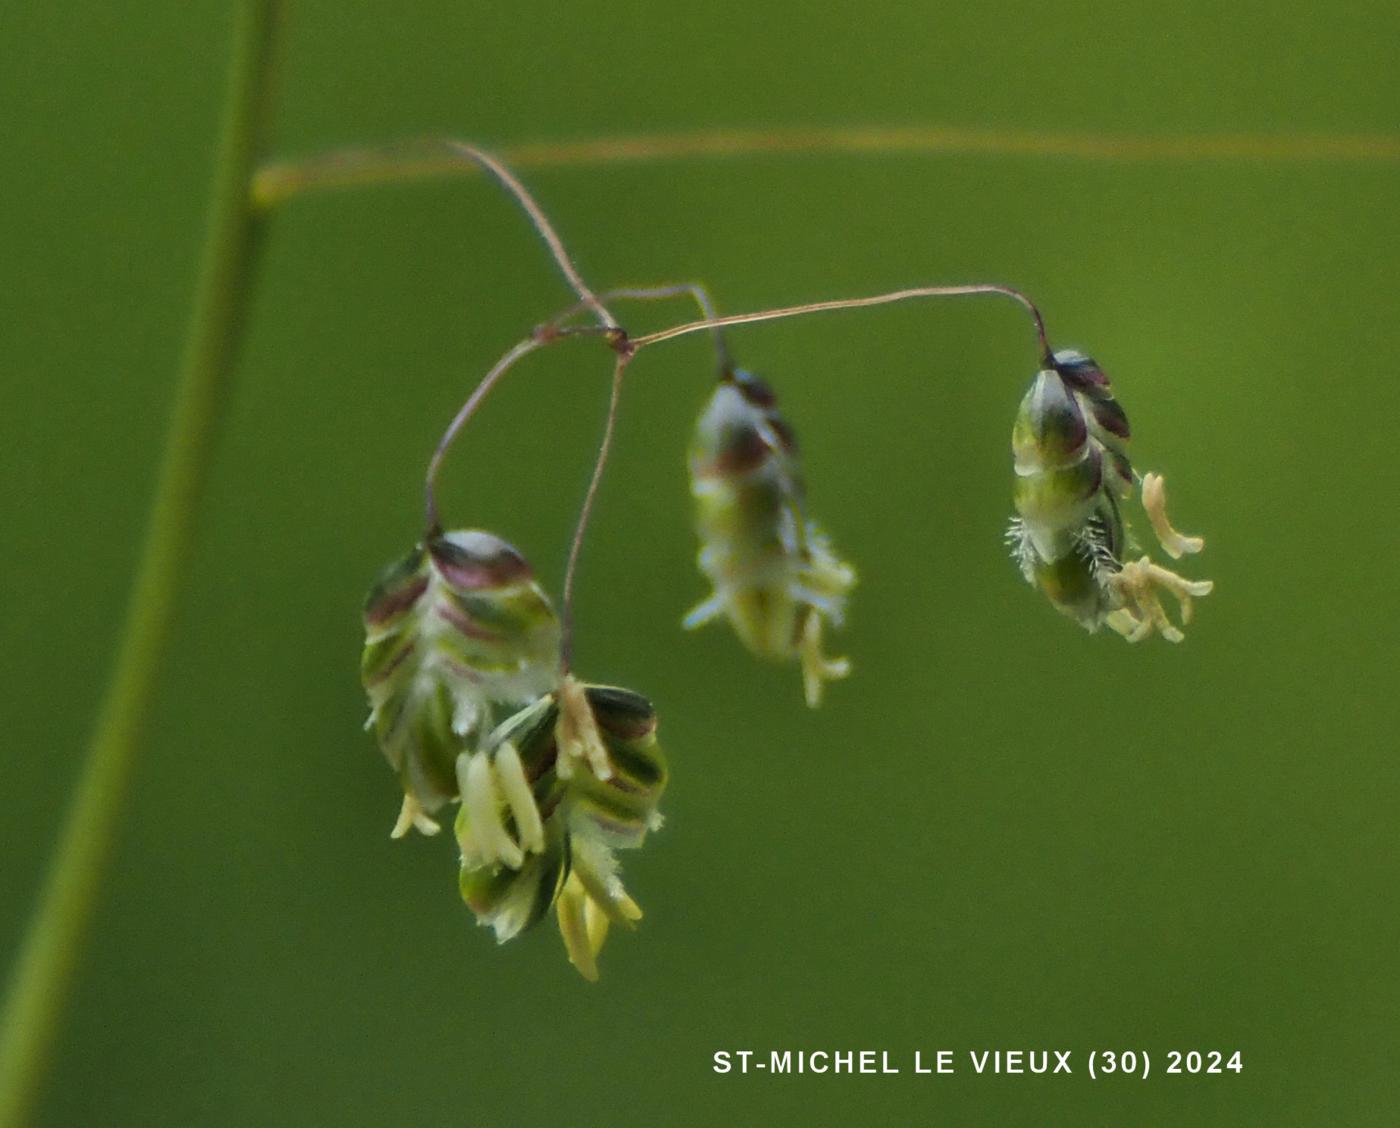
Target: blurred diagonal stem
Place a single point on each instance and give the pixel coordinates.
(49, 954)
(429, 158)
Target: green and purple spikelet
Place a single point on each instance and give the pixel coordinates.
(1070, 447)
(454, 630)
(1072, 470)
(548, 797)
(775, 576)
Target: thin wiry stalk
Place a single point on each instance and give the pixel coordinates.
(1042, 342)
(541, 223)
(464, 413)
(566, 650)
(553, 330)
(547, 334)
(52, 947)
(695, 290)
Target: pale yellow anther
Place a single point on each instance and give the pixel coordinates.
(482, 802)
(1154, 501)
(412, 815)
(1142, 613)
(1131, 628)
(595, 922)
(817, 669)
(510, 774)
(576, 732)
(573, 927)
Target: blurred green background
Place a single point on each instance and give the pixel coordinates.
(1000, 832)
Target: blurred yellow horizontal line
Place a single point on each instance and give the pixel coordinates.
(426, 158)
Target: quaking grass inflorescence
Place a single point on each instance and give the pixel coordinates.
(1073, 473)
(776, 578)
(548, 798)
(454, 632)
(460, 636)
(468, 667)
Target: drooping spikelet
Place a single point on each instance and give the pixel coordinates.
(775, 576)
(1070, 444)
(546, 799)
(456, 628)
